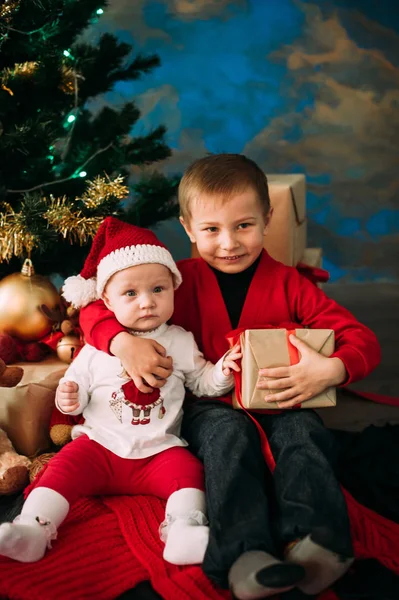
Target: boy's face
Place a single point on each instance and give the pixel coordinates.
(141, 297)
(229, 235)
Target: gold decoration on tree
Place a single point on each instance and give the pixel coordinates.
(20, 69)
(68, 83)
(16, 239)
(7, 8)
(22, 296)
(64, 216)
(101, 189)
(72, 225)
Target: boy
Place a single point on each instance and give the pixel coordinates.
(129, 442)
(225, 210)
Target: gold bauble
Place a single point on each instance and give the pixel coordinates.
(67, 347)
(22, 296)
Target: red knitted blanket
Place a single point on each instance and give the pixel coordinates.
(107, 546)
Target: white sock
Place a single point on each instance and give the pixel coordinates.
(27, 538)
(323, 567)
(185, 529)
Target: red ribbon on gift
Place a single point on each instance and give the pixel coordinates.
(233, 337)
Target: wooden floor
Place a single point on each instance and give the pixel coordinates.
(377, 306)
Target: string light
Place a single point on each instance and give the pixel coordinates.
(82, 174)
(71, 118)
(67, 54)
(99, 11)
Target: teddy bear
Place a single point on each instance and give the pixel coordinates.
(61, 426)
(14, 474)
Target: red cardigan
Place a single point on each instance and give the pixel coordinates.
(277, 294)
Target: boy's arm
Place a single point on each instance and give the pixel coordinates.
(357, 349)
(143, 359)
(355, 344)
(205, 378)
(99, 325)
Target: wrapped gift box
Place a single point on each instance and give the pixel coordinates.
(267, 348)
(313, 257)
(286, 235)
(25, 410)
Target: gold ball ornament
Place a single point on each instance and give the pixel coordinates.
(67, 347)
(22, 298)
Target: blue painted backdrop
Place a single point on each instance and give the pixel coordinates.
(300, 87)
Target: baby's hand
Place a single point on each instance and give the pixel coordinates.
(229, 363)
(67, 395)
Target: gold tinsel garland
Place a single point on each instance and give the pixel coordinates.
(16, 239)
(7, 8)
(68, 82)
(27, 69)
(101, 189)
(73, 225)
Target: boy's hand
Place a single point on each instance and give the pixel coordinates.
(312, 375)
(229, 363)
(67, 395)
(144, 360)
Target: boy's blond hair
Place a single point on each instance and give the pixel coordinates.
(222, 175)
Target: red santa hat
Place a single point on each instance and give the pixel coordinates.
(116, 246)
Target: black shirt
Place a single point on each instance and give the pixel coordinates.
(234, 288)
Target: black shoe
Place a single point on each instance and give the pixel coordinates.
(256, 574)
(280, 575)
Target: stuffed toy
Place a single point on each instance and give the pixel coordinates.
(9, 376)
(14, 474)
(61, 426)
(13, 350)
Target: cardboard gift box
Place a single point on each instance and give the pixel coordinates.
(267, 348)
(313, 257)
(25, 410)
(286, 234)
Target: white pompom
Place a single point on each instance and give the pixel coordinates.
(79, 291)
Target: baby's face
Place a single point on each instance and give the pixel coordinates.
(141, 297)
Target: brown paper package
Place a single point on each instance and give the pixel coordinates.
(25, 410)
(313, 257)
(266, 348)
(285, 239)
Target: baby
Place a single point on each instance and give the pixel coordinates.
(130, 441)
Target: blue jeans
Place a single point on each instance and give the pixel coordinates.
(247, 508)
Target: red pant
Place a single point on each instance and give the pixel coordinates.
(85, 468)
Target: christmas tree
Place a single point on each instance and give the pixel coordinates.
(63, 168)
